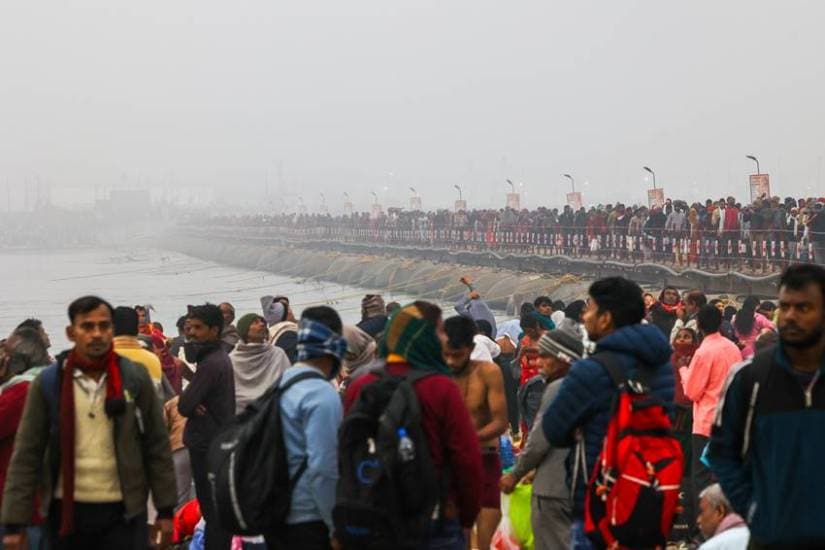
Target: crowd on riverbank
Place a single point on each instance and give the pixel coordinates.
(768, 233)
(130, 438)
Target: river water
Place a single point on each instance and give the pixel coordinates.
(42, 284)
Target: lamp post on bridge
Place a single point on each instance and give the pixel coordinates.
(759, 183)
(655, 196)
(415, 200)
(513, 198)
(574, 198)
(460, 204)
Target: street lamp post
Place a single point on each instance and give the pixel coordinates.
(512, 186)
(374, 196)
(652, 173)
(414, 192)
(756, 160)
(459, 191)
(572, 181)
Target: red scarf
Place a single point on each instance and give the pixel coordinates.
(670, 309)
(115, 405)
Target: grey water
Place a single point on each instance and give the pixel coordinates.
(41, 284)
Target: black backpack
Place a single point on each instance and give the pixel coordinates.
(384, 502)
(247, 466)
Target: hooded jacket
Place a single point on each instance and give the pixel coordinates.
(766, 450)
(585, 397)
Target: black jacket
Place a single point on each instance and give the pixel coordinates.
(374, 325)
(213, 386)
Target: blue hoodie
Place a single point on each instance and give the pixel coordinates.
(586, 396)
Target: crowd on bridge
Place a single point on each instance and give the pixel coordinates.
(767, 233)
(421, 429)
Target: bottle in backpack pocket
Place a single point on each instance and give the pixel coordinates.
(406, 447)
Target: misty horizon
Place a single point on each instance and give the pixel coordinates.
(271, 102)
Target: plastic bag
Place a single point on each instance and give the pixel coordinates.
(503, 538)
(519, 514)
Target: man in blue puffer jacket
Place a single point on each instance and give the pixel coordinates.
(613, 320)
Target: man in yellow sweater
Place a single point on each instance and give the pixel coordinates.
(92, 443)
(127, 344)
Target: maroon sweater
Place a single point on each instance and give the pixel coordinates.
(450, 435)
(12, 400)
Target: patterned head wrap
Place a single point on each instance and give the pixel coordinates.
(412, 337)
(317, 340)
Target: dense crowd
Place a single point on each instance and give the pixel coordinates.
(723, 233)
(621, 420)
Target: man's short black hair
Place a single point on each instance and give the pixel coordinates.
(31, 323)
(574, 310)
(528, 321)
(324, 315)
(526, 308)
(484, 327)
(125, 321)
(542, 301)
(460, 332)
(621, 297)
(87, 304)
(181, 323)
(209, 314)
(798, 276)
(767, 306)
(697, 298)
(709, 319)
(558, 305)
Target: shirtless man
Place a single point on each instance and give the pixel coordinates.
(482, 387)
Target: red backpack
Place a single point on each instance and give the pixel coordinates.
(633, 493)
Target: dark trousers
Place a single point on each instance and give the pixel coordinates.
(98, 526)
(312, 535)
(700, 475)
(215, 537)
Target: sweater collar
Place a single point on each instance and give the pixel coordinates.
(728, 522)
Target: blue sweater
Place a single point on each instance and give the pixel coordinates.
(311, 412)
(778, 487)
(586, 396)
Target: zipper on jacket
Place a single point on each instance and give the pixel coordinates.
(809, 400)
(139, 418)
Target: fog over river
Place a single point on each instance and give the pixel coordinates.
(42, 284)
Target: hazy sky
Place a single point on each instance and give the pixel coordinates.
(341, 94)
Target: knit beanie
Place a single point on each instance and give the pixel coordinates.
(244, 323)
(373, 305)
(562, 345)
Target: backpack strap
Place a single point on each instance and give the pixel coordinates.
(50, 385)
(283, 386)
(611, 361)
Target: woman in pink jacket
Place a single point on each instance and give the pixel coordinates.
(747, 325)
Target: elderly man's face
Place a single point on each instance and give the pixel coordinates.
(709, 517)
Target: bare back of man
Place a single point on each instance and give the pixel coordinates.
(482, 387)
